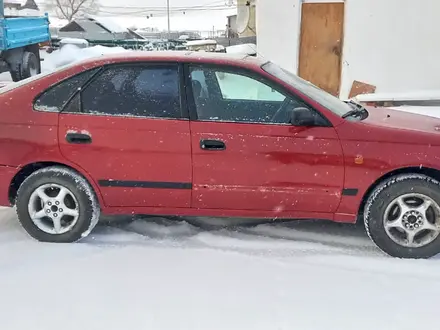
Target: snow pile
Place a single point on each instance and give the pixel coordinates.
(80, 43)
(427, 111)
(420, 102)
(427, 95)
(71, 53)
(247, 49)
(307, 276)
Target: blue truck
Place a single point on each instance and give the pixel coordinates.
(19, 44)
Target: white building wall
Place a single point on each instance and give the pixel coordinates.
(278, 31)
(392, 44)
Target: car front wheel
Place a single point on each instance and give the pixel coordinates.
(56, 204)
(402, 216)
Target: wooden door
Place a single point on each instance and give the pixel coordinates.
(322, 26)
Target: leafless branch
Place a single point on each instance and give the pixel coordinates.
(70, 9)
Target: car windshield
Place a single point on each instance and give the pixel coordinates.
(327, 100)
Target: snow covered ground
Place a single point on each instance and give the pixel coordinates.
(5, 77)
(158, 274)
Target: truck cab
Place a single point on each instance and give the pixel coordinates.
(19, 44)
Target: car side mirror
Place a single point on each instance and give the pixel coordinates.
(302, 117)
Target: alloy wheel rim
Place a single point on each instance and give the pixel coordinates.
(412, 220)
(54, 209)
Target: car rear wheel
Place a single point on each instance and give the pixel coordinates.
(56, 204)
(402, 216)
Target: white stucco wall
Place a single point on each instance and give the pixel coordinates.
(392, 44)
(277, 31)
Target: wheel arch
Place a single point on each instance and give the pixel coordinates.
(28, 169)
(428, 171)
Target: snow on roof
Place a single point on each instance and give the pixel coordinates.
(22, 12)
(22, 3)
(57, 22)
(109, 24)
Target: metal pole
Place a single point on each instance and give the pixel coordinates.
(2, 10)
(168, 15)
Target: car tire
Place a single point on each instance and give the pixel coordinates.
(15, 74)
(402, 216)
(30, 65)
(57, 205)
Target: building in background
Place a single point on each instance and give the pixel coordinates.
(387, 45)
(12, 5)
(21, 8)
(96, 28)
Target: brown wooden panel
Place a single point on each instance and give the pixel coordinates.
(322, 26)
(360, 87)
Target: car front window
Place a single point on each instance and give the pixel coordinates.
(239, 87)
(224, 95)
(327, 100)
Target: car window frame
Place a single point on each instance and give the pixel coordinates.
(69, 99)
(182, 97)
(192, 108)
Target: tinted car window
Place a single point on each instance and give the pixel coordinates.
(146, 91)
(74, 106)
(222, 95)
(55, 98)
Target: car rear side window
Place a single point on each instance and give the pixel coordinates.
(55, 98)
(140, 91)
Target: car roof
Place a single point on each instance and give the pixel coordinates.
(177, 56)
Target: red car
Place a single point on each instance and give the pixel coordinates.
(195, 134)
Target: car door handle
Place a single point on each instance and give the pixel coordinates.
(216, 145)
(78, 138)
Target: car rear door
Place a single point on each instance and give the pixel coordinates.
(127, 130)
(245, 154)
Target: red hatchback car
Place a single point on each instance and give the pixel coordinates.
(198, 134)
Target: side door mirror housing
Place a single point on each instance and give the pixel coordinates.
(302, 116)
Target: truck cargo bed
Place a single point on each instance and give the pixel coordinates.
(23, 31)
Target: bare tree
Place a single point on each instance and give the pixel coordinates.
(70, 9)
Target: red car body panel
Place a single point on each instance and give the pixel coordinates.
(267, 171)
(388, 140)
(285, 168)
(132, 149)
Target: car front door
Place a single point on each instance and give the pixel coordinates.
(246, 154)
(126, 129)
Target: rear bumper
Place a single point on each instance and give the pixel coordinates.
(7, 173)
